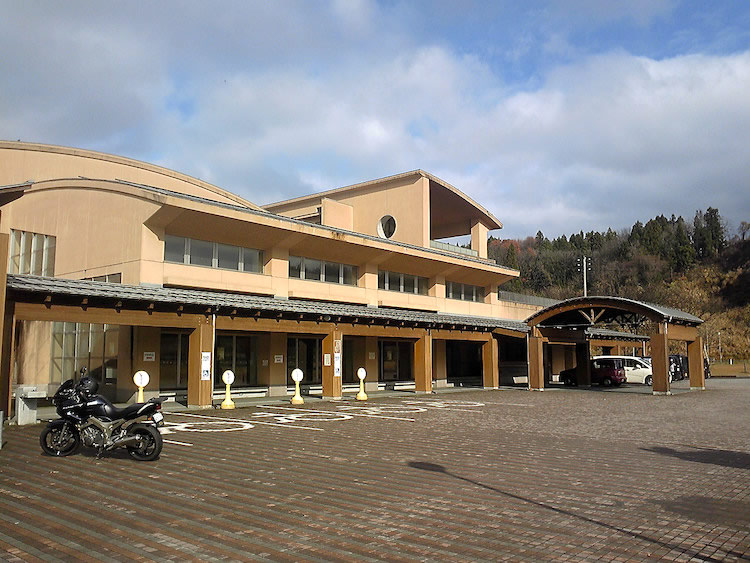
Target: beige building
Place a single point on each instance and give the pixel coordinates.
(117, 265)
(416, 306)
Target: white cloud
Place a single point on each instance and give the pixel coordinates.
(278, 100)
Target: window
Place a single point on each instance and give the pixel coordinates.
(317, 270)
(386, 226)
(78, 345)
(464, 291)
(183, 250)
(31, 253)
(404, 283)
(109, 278)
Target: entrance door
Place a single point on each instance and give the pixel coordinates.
(396, 358)
(173, 354)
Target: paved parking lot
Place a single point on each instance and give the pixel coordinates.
(457, 476)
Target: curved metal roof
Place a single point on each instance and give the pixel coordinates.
(572, 312)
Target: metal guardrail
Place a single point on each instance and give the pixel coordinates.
(453, 248)
(526, 299)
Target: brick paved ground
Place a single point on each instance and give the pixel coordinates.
(460, 476)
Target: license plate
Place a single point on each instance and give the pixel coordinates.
(158, 417)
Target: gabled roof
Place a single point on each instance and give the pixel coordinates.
(489, 219)
(568, 313)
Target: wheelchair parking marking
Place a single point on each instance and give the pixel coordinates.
(350, 413)
(283, 422)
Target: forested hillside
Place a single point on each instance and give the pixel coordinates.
(695, 266)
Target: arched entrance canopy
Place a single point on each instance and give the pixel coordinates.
(581, 312)
(568, 321)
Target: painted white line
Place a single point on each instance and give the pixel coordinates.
(242, 421)
(177, 443)
(511, 404)
(347, 412)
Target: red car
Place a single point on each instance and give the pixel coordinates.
(604, 371)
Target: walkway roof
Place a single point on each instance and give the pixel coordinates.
(59, 291)
(586, 311)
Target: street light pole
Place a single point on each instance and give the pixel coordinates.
(721, 358)
(584, 264)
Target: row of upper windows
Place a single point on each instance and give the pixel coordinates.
(196, 252)
(319, 270)
(184, 250)
(404, 283)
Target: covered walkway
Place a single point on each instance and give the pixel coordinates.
(569, 321)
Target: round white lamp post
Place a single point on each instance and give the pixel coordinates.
(361, 373)
(140, 378)
(228, 378)
(297, 377)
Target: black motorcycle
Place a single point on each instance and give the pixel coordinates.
(92, 419)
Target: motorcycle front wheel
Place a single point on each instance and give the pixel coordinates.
(149, 443)
(59, 438)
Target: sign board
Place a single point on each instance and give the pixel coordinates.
(371, 355)
(205, 366)
(149, 356)
(264, 363)
(326, 359)
(337, 364)
(278, 359)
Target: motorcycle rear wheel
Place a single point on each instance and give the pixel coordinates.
(59, 438)
(150, 445)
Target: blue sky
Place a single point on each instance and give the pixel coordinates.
(557, 116)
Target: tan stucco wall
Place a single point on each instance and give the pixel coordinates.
(21, 162)
(407, 200)
(98, 232)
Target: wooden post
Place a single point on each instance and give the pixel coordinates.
(439, 366)
(6, 328)
(695, 361)
(423, 364)
(333, 354)
(536, 361)
(660, 360)
(276, 371)
(200, 381)
(583, 365)
(490, 363)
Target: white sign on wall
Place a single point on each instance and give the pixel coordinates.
(326, 359)
(205, 366)
(337, 364)
(149, 356)
(278, 359)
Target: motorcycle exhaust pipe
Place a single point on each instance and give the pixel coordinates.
(126, 441)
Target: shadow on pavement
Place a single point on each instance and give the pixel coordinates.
(436, 468)
(725, 458)
(735, 514)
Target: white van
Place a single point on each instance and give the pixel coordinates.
(637, 370)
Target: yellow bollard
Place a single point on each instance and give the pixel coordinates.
(140, 378)
(361, 373)
(228, 378)
(297, 377)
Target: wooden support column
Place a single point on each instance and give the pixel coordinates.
(695, 363)
(333, 348)
(200, 383)
(439, 365)
(423, 364)
(536, 361)
(490, 363)
(6, 329)
(276, 371)
(660, 360)
(372, 364)
(583, 365)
